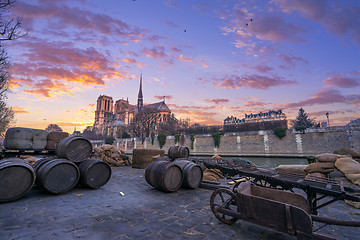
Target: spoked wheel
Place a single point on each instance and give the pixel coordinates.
(266, 184)
(223, 198)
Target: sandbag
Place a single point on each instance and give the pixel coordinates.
(298, 169)
(112, 155)
(320, 167)
(348, 152)
(327, 157)
(212, 175)
(347, 165)
(354, 178)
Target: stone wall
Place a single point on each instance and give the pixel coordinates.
(260, 143)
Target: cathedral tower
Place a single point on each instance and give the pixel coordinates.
(140, 102)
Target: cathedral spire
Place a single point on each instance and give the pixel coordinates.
(140, 95)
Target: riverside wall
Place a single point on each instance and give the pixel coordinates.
(257, 143)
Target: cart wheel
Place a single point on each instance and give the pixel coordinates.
(223, 198)
(266, 184)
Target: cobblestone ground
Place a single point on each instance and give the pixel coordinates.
(141, 213)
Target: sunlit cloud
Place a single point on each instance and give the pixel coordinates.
(163, 97)
(185, 59)
(327, 96)
(342, 19)
(342, 81)
(203, 63)
(18, 110)
(292, 60)
(155, 52)
(217, 100)
(251, 81)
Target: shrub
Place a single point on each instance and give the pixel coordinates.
(217, 137)
(280, 132)
(300, 128)
(177, 138)
(125, 135)
(109, 140)
(152, 139)
(162, 139)
(192, 137)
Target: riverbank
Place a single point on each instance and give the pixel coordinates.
(128, 208)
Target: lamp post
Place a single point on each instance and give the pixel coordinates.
(327, 116)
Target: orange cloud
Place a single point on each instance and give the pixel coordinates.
(18, 110)
(185, 59)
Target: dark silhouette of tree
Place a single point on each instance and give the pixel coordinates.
(303, 121)
(144, 124)
(53, 128)
(10, 29)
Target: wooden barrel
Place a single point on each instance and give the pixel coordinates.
(192, 173)
(74, 148)
(164, 176)
(178, 152)
(16, 178)
(94, 173)
(57, 176)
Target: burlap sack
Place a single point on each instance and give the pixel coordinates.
(354, 178)
(212, 174)
(324, 167)
(298, 169)
(327, 157)
(348, 152)
(347, 165)
(112, 156)
(311, 176)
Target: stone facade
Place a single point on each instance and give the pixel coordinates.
(261, 143)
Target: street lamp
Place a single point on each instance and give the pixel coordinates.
(327, 116)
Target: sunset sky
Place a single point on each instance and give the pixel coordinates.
(210, 59)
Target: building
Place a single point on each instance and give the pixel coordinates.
(113, 119)
(254, 122)
(259, 117)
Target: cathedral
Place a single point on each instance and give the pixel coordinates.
(113, 118)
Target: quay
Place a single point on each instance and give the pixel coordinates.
(127, 207)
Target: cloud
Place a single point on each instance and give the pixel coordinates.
(17, 110)
(185, 59)
(175, 49)
(327, 96)
(133, 61)
(163, 97)
(251, 81)
(197, 114)
(217, 100)
(252, 104)
(203, 63)
(292, 60)
(155, 52)
(342, 81)
(170, 24)
(58, 16)
(339, 17)
(262, 68)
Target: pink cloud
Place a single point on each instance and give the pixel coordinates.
(263, 69)
(155, 52)
(162, 97)
(252, 104)
(342, 19)
(292, 60)
(217, 100)
(326, 96)
(175, 49)
(251, 81)
(185, 59)
(342, 81)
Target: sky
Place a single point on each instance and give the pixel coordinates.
(207, 59)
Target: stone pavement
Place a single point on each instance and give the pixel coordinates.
(141, 213)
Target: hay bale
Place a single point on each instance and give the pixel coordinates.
(324, 167)
(298, 169)
(54, 138)
(143, 157)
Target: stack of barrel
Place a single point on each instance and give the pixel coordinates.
(169, 174)
(73, 166)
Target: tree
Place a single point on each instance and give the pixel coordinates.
(303, 121)
(10, 29)
(143, 125)
(53, 128)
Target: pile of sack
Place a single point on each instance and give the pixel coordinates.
(212, 174)
(324, 164)
(112, 155)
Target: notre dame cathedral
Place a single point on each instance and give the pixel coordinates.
(112, 119)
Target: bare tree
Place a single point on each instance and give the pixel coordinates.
(10, 29)
(53, 128)
(144, 124)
